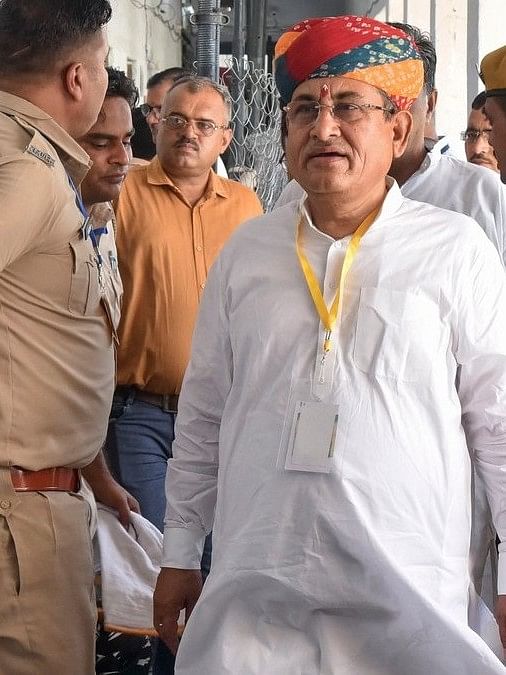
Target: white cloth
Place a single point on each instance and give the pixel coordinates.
(450, 183)
(129, 565)
(448, 145)
(363, 570)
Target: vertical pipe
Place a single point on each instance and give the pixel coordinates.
(208, 20)
(237, 85)
(256, 39)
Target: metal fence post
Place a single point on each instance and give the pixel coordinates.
(237, 86)
(208, 20)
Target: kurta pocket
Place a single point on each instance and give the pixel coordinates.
(396, 334)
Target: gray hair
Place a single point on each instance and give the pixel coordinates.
(197, 83)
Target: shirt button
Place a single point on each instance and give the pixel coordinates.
(199, 248)
(337, 244)
(202, 285)
(5, 504)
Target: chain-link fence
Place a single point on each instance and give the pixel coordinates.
(255, 155)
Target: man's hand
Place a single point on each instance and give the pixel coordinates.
(175, 590)
(108, 491)
(500, 615)
(111, 494)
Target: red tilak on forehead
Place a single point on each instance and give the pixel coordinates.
(324, 91)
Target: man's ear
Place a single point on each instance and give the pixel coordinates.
(431, 103)
(73, 81)
(227, 137)
(402, 123)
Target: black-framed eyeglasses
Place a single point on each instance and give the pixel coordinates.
(472, 135)
(147, 109)
(202, 127)
(306, 113)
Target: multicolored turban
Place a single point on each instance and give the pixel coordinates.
(493, 72)
(357, 47)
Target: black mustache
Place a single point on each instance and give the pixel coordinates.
(183, 142)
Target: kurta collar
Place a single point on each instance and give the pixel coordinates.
(73, 157)
(157, 176)
(391, 204)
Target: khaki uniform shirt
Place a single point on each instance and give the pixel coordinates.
(102, 217)
(56, 340)
(165, 249)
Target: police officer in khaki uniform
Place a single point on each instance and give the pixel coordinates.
(56, 336)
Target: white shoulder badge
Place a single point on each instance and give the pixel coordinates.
(41, 154)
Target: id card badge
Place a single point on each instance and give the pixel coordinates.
(312, 437)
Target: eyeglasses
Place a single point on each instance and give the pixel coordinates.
(306, 113)
(472, 135)
(202, 127)
(147, 109)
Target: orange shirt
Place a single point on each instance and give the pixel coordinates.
(165, 250)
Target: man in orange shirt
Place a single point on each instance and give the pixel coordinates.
(173, 217)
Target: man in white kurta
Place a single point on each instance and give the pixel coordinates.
(438, 176)
(353, 562)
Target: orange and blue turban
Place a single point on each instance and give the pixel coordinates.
(357, 47)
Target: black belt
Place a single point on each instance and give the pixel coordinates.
(167, 402)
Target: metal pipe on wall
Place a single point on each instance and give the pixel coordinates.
(256, 37)
(237, 85)
(209, 21)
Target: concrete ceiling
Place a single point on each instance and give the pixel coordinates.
(284, 13)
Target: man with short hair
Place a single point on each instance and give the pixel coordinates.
(346, 346)
(476, 137)
(157, 87)
(493, 74)
(174, 215)
(57, 346)
(441, 179)
(108, 145)
(108, 142)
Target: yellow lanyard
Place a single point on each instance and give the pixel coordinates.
(329, 317)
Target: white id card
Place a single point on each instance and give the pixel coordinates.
(312, 437)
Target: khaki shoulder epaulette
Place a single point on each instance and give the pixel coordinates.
(37, 146)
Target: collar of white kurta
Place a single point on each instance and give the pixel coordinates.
(391, 204)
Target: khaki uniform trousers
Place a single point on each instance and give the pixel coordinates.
(47, 599)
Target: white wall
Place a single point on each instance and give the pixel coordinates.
(141, 43)
(463, 31)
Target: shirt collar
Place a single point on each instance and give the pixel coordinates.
(157, 176)
(73, 157)
(101, 214)
(391, 204)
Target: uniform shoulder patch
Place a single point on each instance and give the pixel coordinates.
(41, 154)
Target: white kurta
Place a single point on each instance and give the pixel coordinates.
(363, 570)
(450, 183)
